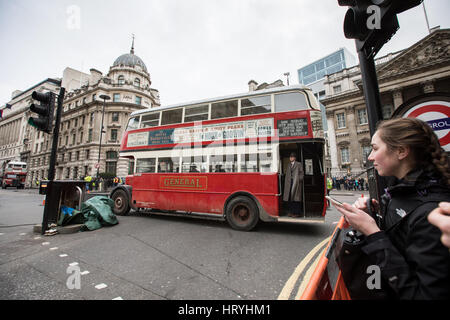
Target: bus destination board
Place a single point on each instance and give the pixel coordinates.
(292, 127)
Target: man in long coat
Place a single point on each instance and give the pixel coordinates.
(293, 186)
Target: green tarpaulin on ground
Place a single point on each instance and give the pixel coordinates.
(94, 214)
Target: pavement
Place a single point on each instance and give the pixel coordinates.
(351, 193)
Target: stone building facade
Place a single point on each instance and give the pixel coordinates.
(127, 84)
(422, 68)
(16, 136)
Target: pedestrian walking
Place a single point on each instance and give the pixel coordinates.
(88, 180)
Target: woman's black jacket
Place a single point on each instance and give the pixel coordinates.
(412, 259)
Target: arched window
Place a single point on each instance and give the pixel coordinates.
(121, 80)
(137, 82)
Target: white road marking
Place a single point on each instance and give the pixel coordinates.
(73, 264)
(84, 273)
(54, 248)
(63, 255)
(118, 298)
(37, 238)
(100, 286)
(23, 233)
(45, 243)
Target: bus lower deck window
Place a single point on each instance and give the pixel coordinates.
(146, 165)
(166, 165)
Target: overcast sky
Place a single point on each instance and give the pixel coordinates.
(193, 49)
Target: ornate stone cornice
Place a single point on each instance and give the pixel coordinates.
(344, 143)
(430, 52)
(342, 97)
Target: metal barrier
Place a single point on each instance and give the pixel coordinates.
(326, 282)
(69, 193)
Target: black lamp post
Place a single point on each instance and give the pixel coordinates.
(104, 97)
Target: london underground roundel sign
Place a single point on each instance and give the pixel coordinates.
(435, 110)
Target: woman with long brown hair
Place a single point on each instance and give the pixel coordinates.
(413, 262)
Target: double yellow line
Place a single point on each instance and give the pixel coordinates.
(290, 284)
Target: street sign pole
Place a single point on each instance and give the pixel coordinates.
(372, 23)
(373, 103)
(51, 170)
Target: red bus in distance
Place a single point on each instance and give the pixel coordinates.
(13, 174)
(225, 157)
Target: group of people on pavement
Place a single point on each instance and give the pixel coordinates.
(100, 183)
(350, 183)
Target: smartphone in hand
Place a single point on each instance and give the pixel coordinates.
(334, 201)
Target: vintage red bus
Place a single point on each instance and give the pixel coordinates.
(14, 174)
(225, 157)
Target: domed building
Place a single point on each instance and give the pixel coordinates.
(90, 100)
(129, 69)
(130, 60)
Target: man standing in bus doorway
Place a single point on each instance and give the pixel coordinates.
(293, 186)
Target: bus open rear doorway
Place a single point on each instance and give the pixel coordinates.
(313, 205)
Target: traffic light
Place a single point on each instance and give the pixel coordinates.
(372, 23)
(44, 110)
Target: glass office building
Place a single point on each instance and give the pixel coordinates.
(332, 63)
(313, 74)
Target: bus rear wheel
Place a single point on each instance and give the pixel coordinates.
(242, 214)
(121, 203)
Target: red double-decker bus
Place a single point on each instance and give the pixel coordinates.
(13, 174)
(225, 157)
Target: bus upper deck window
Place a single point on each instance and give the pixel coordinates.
(224, 109)
(291, 101)
(196, 113)
(150, 120)
(133, 124)
(255, 105)
(172, 116)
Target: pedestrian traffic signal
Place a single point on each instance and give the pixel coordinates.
(372, 23)
(44, 110)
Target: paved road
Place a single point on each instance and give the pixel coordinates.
(152, 257)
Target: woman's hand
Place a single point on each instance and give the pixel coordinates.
(361, 204)
(358, 219)
(440, 217)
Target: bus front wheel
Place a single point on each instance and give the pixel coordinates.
(242, 214)
(121, 204)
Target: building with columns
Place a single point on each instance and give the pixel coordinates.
(128, 85)
(422, 68)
